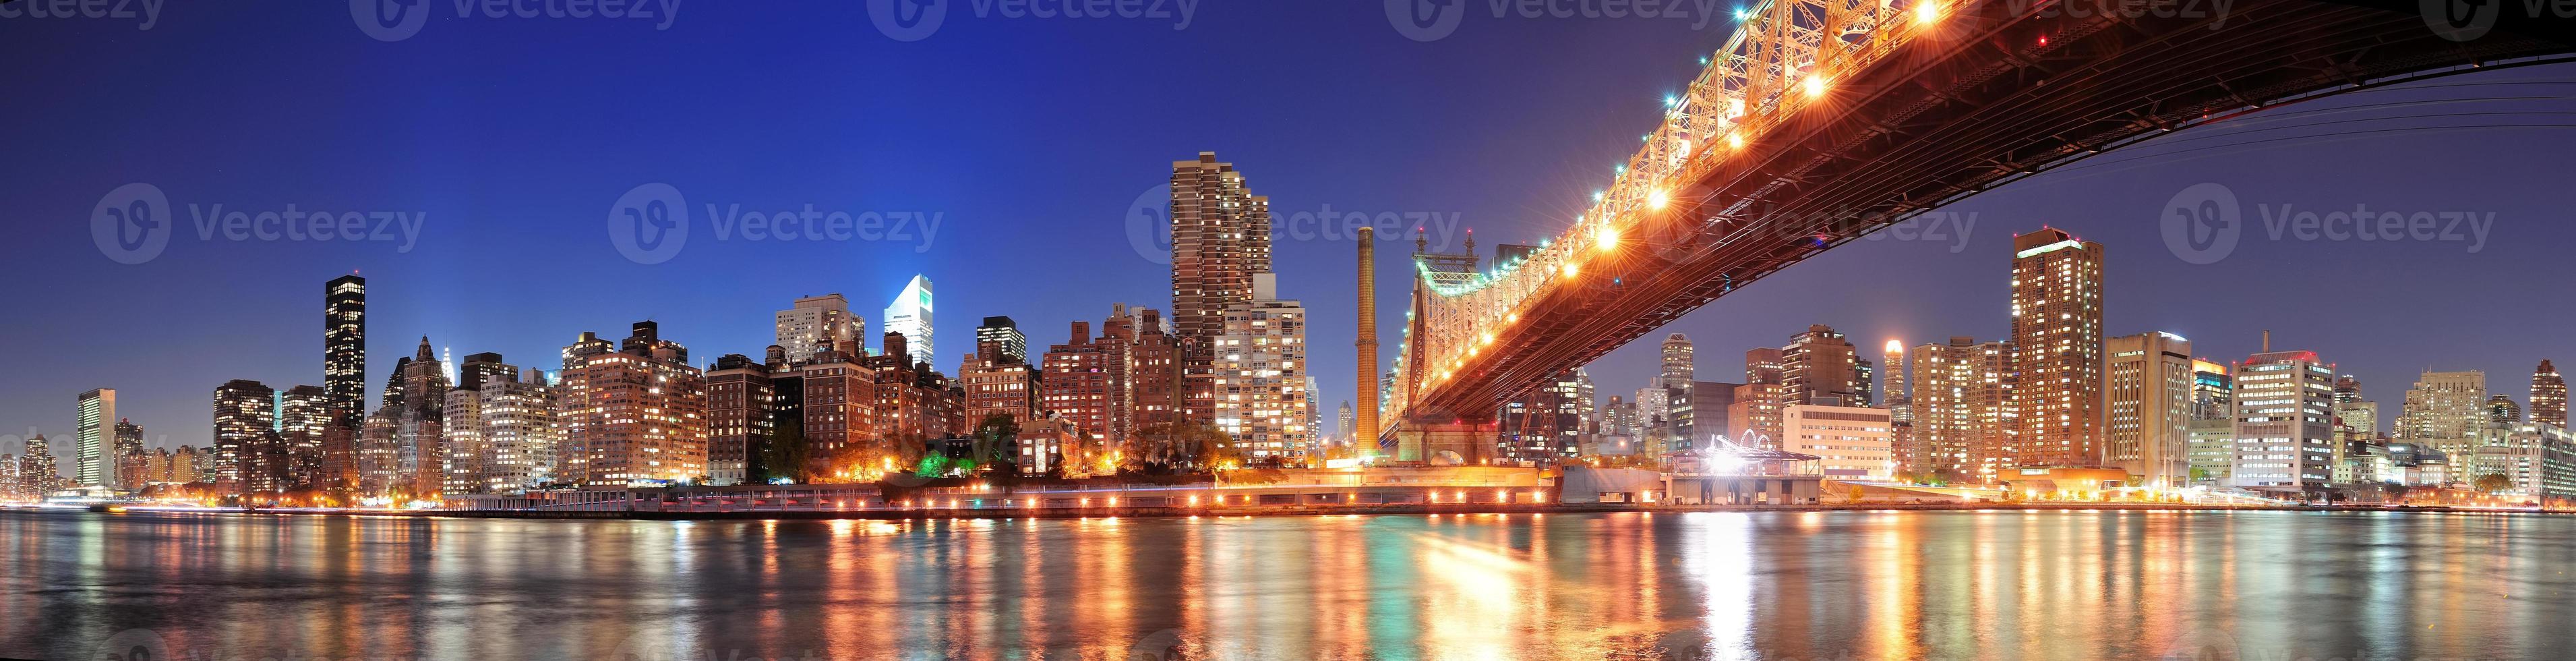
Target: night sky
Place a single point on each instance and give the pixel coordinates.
(1031, 138)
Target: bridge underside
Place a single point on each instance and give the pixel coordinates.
(1994, 98)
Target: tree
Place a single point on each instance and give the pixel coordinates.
(2493, 483)
(787, 455)
(997, 444)
(1176, 447)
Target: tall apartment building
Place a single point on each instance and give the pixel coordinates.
(2548, 395)
(634, 415)
(2057, 350)
(914, 405)
(2284, 422)
(1110, 386)
(344, 350)
(94, 435)
(909, 315)
(520, 441)
(1821, 367)
(814, 324)
(2445, 411)
(739, 400)
(1910, 455)
(1258, 388)
(1960, 399)
(304, 420)
(2147, 409)
(1220, 239)
(244, 410)
(132, 470)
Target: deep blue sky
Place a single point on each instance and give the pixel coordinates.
(1031, 138)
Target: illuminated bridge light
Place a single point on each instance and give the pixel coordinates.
(1927, 12)
(1606, 236)
(1659, 198)
(1815, 86)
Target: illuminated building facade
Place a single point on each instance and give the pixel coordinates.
(910, 316)
(2446, 411)
(2148, 408)
(1220, 239)
(2548, 395)
(344, 350)
(1259, 384)
(1959, 398)
(815, 324)
(631, 416)
(1849, 442)
(739, 399)
(2284, 422)
(92, 466)
(2056, 398)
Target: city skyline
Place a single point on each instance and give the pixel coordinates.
(426, 291)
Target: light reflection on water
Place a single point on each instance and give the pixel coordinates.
(1863, 585)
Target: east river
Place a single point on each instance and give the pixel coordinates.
(1773, 585)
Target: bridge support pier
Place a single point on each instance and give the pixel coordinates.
(1471, 443)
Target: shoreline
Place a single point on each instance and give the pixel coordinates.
(1258, 511)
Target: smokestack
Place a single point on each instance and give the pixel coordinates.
(2267, 340)
(1366, 382)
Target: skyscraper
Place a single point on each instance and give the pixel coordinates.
(344, 349)
(128, 455)
(2147, 407)
(1220, 238)
(909, 315)
(519, 433)
(2548, 395)
(2284, 422)
(245, 410)
(97, 413)
(1959, 400)
(1000, 339)
(2057, 349)
(1259, 394)
(304, 419)
(1676, 363)
(819, 323)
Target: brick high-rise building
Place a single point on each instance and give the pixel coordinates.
(1821, 367)
(2057, 350)
(634, 415)
(1220, 238)
(739, 400)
